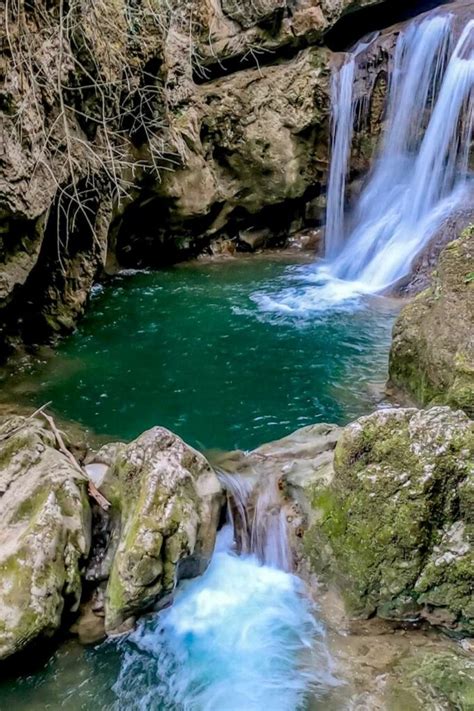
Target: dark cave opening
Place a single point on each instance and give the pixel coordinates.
(360, 22)
(345, 33)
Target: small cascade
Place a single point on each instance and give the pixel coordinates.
(243, 636)
(343, 107)
(421, 173)
(258, 517)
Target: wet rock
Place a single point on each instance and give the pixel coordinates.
(393, 527)
(307, 240)
(251, 240)
(432, 353)
(421, 273)
(434, 678)
(44, 534)
(166, 501)
(276, 477)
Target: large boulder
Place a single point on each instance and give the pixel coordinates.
(394, 528)
(44, 533)
(432, 354)
(166, 503)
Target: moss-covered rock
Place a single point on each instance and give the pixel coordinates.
(432, 354)
(166, 500)
(434, 680)
(44, 533)
(394, 527)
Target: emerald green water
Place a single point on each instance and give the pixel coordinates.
(209, 351)
(218, 353)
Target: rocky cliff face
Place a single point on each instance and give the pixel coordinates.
(432, 353)
(140, 132)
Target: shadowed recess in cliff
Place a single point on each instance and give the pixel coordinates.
(356, 24)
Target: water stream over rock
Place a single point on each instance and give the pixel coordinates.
(420, 176)
(306, 345)
(243, 636)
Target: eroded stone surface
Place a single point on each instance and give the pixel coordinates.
(432, 353)
(394, 527)
(167, 502)
(44, 534)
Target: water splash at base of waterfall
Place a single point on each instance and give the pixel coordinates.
(243, 637)
(420, 177)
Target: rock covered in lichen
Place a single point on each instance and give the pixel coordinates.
(394, 527)
(44, 533)
(443, 679)
(166, 503)
(432, 354)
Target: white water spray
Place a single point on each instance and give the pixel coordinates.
(343, 113)
(243, 637)
(419, 178)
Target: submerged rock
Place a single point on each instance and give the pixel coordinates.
(44, 533)
(432, 354)
(166, 503)
(394, 526)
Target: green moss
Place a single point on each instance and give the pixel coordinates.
(395, 490)
(448, 677)
(432, 356)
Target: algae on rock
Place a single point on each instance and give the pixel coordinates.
(394, 528)
(168, 501)
(44, 533)
(432, 353)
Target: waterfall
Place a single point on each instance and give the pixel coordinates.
(243, 636)
(342, 130)
(258, 517)
(421, 174)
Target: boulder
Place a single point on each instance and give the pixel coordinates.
(166, 503)
(394, 526)
(432, 353)
(44, 533)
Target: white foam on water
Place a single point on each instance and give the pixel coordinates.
(243, 637)
(419, 178)
(416, 184)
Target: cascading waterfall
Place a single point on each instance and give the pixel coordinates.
(420, 177)
(342, 130)
(342, 120)
(243, 637)
(259, 519)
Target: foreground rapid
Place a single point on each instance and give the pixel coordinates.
(243, 636)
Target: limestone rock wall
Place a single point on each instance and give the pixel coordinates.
(432, 353)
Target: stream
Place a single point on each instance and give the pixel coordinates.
(212, 351)
(236, 353)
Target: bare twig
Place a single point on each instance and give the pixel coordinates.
(93, 490)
